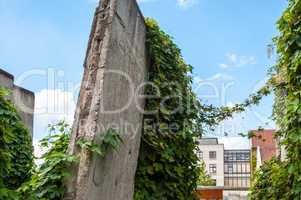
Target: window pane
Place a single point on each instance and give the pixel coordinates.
(243, 170)
(226, 181)
(212, 168)
(212, 154)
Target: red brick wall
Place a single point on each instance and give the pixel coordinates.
(267, 143)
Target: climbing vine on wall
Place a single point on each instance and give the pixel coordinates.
(15, 148)
(289, 64)
(168, 165)
(285, 181)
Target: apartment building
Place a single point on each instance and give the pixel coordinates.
(237, 174)
(230, 169)
(212, 153)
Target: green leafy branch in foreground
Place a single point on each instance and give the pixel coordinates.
(212, 115)
(168, 167)
(270, 182)
(47, 183)
(282, 179)
(16, 151)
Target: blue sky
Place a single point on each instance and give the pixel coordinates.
(43, 44)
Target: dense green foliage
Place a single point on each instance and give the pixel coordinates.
(289, 67)
(15, 148)
(168, 165)
(282, 180)
(204, 178)
(271, 182)
(44, 182)
(47, 182)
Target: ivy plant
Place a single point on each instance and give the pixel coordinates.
(47, 181)
(15, 147)
(282, 179)
(168, 166)
(109, 140)
(270, 182)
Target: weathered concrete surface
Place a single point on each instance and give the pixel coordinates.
(24, 99)
(115, 70)
(25, 102)
(6, 79)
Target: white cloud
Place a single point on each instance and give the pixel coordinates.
(232, 57)
(181, 3)
(234, 60)
(223, 65)
(221, 76)
(215, 78)
(186, 3)
(214, 89)
(50, 107)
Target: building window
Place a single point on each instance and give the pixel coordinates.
(212, 168)
(230, 169)
(212, 154)
(237, 169)
(227, 181)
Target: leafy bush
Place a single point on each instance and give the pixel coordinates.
(271, 183)
(168, 166)
(15, 147)
(110, 140)
(47, 182)
(20, 179)
(282, 180)
(204, 178)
